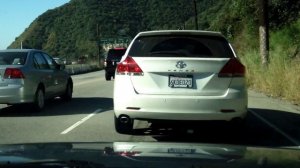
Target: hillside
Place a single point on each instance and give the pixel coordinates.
(71, 29)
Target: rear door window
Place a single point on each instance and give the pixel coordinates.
(51, 62)
(115, 54)
(181, 46)
(40, 62)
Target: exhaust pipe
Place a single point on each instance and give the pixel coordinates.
(124, 119)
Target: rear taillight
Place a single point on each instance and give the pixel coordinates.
(13, 73)
(233, 68)
(129, 67)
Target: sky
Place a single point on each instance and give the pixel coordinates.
(17, 15)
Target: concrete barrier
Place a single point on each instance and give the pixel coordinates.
(81, 68)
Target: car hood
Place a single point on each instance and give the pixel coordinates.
(149, 154)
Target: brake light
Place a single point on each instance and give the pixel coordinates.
(119, 48)
(13, 73)
(233, 68)
(129, 67)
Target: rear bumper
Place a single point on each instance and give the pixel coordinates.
(14, 94)
(148, 107)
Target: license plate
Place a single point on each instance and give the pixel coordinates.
(180, 82)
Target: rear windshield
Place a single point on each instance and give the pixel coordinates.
(13, 58)
(181, 46)
(114, 54)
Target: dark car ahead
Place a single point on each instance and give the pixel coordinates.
(113, 57)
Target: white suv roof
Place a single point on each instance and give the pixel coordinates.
(183, 32)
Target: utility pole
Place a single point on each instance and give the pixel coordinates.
(263, 31)
(98, 45)
(196, 14)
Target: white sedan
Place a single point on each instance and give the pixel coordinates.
(179, 75)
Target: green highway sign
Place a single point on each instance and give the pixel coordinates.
(119, 40)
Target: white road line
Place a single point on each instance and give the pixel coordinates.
(87, 82)
(276, 128)
(80, 122)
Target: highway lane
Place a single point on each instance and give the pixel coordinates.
(89, 118)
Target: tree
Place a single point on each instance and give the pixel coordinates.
(51, 45)
(196, 15)
(264, 31)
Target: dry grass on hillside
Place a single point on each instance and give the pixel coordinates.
(280, 79)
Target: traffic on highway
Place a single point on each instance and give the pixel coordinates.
(89, 117)
(194, 90)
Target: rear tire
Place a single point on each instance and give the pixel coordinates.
(107, 77)
(39, 100)
(123, 128)
(67, 96)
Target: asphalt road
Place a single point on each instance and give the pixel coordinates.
(89, 118)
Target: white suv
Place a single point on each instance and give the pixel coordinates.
(179, 75)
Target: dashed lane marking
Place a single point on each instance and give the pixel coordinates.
(80, 122)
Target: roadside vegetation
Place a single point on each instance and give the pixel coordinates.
(282, 76)
(238, 20)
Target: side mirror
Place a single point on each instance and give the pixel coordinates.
(62, 67)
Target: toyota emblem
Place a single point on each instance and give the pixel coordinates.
(181, 64)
